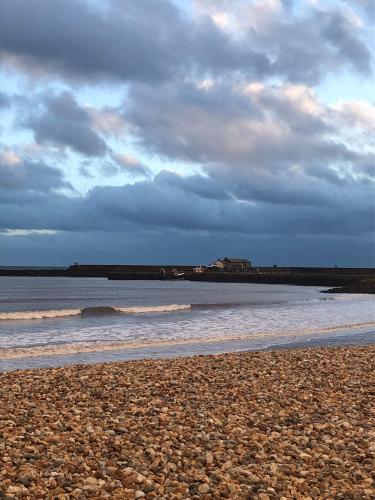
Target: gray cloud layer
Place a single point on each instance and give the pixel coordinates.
(130, 40)
(174, 206)
(264, 144)
(135, 41)
(170, 201)
(65, 123)
(28, 175)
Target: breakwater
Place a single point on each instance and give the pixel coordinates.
(309, 276)
(33, 271)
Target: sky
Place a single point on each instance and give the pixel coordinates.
(180, 131)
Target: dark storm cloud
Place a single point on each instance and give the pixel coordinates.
(129, 40)
(178, 204)
(170, 214)
(65, 123)
(73, 37)
(27, 175)
(134, 41)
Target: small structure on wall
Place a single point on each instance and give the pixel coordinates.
(199, 269)
(231, 265)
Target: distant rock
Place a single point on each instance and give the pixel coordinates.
(363, 286)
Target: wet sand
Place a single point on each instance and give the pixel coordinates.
(279, 424)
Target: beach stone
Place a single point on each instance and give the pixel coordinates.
(209, 459)
(315, 492)
(203, 488)
(15, 490)
(243, 425)
(90, 480)
(263, 496)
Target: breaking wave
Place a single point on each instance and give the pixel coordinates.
(134, 310)
(89, 311)
(53, 313)
(151, 309)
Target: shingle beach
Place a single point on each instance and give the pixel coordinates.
(281, 424)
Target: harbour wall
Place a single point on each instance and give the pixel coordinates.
(314, 276)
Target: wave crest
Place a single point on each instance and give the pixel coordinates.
(88, 311)
(152, 309)
(53, 313)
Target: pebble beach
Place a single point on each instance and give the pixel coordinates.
(257, 425)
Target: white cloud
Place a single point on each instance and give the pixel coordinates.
(357, 114)
(27, 232)
(9, 157)
(108, 122)
(131, 165)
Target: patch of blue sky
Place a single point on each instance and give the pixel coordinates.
(6, 125)
(185, 5)
(13, 139)
(346, 87)
(102, 95)
(17, 83)
(11, 81)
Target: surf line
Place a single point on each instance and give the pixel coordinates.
(87, 311)
(86, 347)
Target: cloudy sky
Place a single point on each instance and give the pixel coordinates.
(178, 131)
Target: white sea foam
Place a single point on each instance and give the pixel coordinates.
(53, 313)
(153, 309)
(57, 313)
(100, 346)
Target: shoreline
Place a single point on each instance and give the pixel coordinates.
(102, 352)
(292, 423)
(100, 346)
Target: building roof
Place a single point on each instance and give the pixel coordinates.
(242, 261)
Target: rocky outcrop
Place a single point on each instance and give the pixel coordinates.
(363, 286)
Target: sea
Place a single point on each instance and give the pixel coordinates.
(49, 321)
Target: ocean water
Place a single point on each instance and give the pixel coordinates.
(46, 321)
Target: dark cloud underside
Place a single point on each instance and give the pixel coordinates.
(65, 123)
(135, 41)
